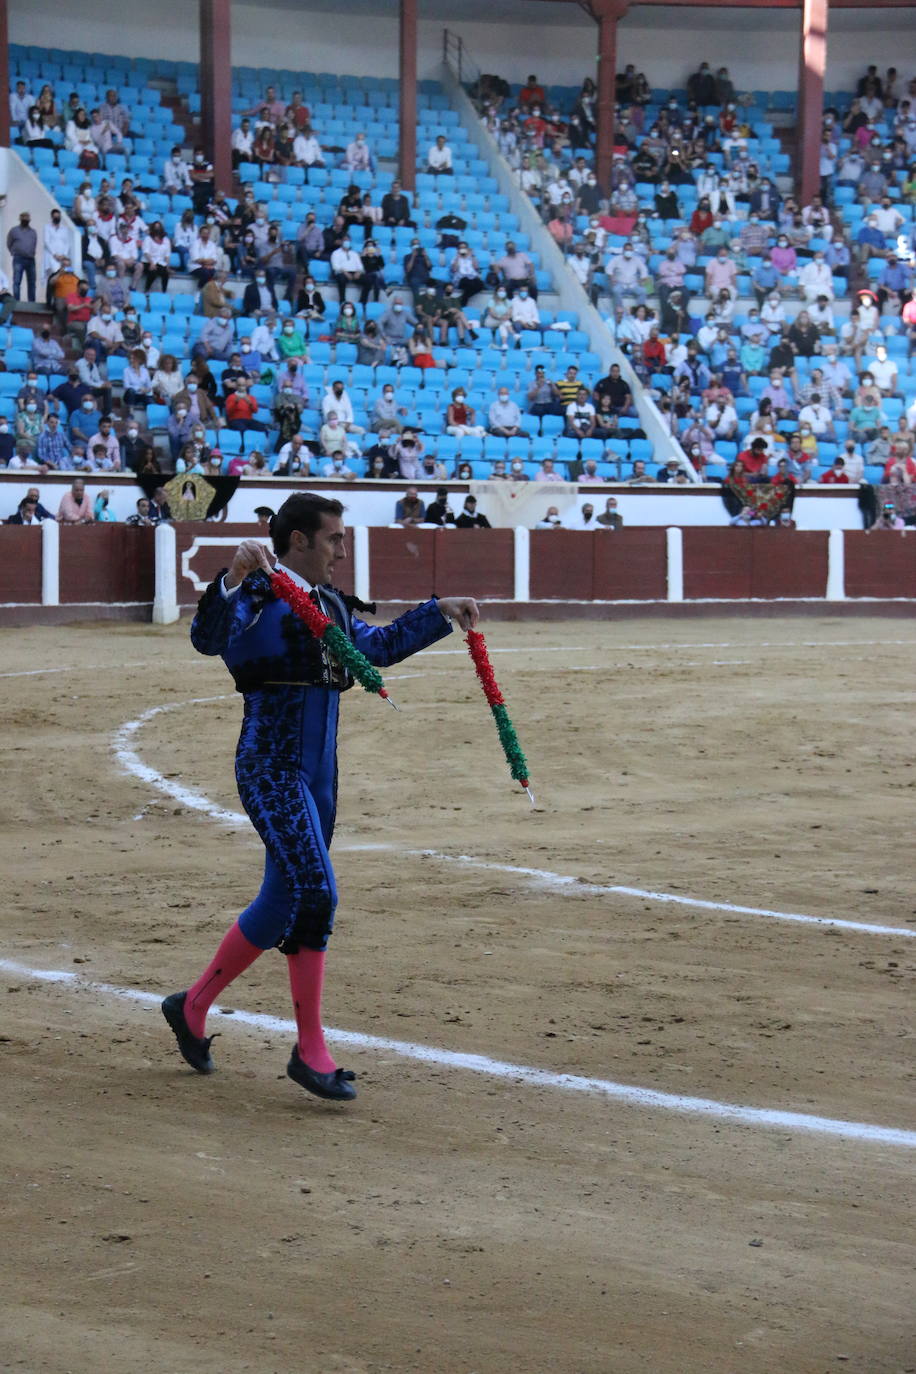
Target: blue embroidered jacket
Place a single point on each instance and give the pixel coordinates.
(284, 672)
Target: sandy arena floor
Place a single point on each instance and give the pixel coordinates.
(449, 1221)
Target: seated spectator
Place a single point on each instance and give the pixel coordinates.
(294, 458)
(104, 447)
(439, 158)
(290, 343)
(410, 510)
(465, 274)
(395, 326)
(460, 418)
(836, 474)
(580, 416)
(505, 417)
(75, 507)
(241, 408)
(420, 348)
(516, 270)
(439, 512)
(336, 467)
(53, 449)
(137, 382)
(470, 518)
(498, 317)
(754, 460)
(543, 397)
(547, 472)
(337, 400)
(883, 371)
(552, 519)
(407, 452)
(865, 420)
(616, 389)
(395, 207)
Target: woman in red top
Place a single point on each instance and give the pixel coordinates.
(701, 219)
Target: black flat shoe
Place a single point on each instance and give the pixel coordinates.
(334, 1085)
(195, 1050)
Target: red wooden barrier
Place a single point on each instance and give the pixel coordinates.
(880, 563)
(106, 563)
(20, 569)
(413, 564)
(732, 564)
(601, 565)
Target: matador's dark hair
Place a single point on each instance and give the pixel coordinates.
(301, 512)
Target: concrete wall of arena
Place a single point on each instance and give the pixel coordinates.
(759, 46)
(102, 571)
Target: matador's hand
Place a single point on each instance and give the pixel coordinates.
(249, 555)
(464, 609)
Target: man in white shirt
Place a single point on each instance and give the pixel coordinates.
(55, 239)
(337, 399)
(818, 416)
(816, 279)
(883, 370)
(307, 150)
(888, 217)
(357, 157)
(125, 252)
(439, 158)
(722, 419)
(523, 311)
(176, 175)
(242, 143)
(21, 101)
(204, 257)
(346, 268)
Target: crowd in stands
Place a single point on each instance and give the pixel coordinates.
(776, 337)
(324, 322)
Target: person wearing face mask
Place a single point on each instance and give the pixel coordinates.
(498, 317)
(47, 354)
(627, 274)
(104, 333)
(372, 281)
(259, 297)
(55, 239)
(346, 267)
(179, 428)
(199, 405)
(815, 279)
(418, 268)
(385, 418)
(407, 451)
(784, 258)
(505, 417)
(357, 156)
(465, 274)
(515, 270)
(91, 375)
(461, 418)
(290, 342)
(395, 326)
(53, 450)
(310, 304)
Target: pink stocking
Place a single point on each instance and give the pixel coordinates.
(234, 955)
(306, 975)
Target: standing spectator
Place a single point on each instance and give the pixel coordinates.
(22, 245)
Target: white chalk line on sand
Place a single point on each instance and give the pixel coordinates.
(571, 649)
(650, 1098)
(130, 760)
